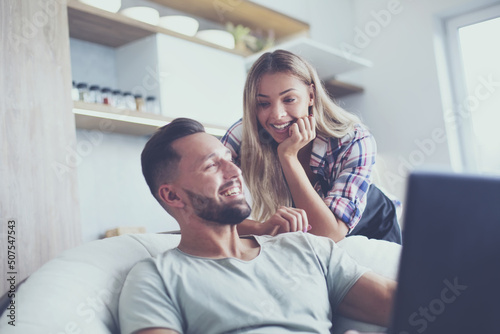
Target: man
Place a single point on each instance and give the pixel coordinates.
(217, 282)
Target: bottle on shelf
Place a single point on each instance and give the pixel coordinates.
(139, 103)
(129, 101)
(95, 94)
(106, 95)
(117, 99)
(83, 92)
(152, 105)
(74, 92)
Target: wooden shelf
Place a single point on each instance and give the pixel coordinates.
(327, 60)
(100, 117)
(99, 26)
(243, 12)
(338, 88)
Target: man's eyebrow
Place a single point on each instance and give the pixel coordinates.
(283, 92)
(205, 158)
(211, 155)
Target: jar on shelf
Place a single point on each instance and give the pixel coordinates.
(152, 105)
(74, 92)
(106, 95)
(95, 94)
(139, 103)
(117, 99)
(129, 101)
(83, 92)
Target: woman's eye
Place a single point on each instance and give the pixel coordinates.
(263, 104)
(289, 100)
(210, 166)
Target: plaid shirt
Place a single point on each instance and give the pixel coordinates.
(343, 168)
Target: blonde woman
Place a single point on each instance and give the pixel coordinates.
(297, 148)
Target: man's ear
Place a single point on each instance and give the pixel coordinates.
(169, 196)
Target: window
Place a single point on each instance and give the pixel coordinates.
(472, 47)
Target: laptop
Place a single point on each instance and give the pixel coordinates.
(449, 276)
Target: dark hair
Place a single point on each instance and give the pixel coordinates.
(159, 160)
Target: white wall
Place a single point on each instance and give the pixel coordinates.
(402, 103)
(112, 189)
(328, 19)
(93, 63)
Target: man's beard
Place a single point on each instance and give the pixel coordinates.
(208, 209)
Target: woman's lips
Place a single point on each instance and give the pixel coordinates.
(282, 127)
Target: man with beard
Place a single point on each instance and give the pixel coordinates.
(218, 282)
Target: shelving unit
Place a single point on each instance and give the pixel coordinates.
(99, 26)
(105, 118)
(327, 60)
(102, 27)
(243, 12)
(115, 30)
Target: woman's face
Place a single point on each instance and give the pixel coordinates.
(281, 100)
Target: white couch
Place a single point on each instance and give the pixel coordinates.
(78, 291)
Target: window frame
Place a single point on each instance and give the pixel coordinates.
(453, 85)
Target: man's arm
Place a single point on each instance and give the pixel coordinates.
(157, 331)
(370, 300)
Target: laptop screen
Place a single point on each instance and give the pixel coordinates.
(449, 277)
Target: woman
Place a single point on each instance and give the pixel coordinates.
(296, 147)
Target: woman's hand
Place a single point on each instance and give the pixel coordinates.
(286, 220)
(301, 133)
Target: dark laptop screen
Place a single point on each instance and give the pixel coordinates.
(449, 279)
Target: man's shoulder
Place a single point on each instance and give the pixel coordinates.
(234, 133)
(155, 262)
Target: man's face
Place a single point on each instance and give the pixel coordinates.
(209, 181)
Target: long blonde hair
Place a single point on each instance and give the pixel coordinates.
(259, 159)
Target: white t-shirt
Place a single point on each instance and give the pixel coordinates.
(292, 286)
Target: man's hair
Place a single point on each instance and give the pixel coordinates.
(159, 160)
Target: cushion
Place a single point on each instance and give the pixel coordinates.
(379, 255)
(77, 292)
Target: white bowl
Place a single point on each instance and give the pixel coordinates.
(182, 24)
(219, 37)
(109, 5)
(141, 13)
